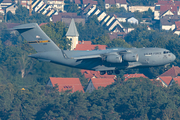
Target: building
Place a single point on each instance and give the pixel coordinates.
(177, 28)
(165, 24)
(72, 34)
(128, 76)
(163, 8)
(132, 20)
(95, 83)
(116, 3)
(170, 76)
(56, 4)
(165, 80)
(64, 84)
(141, 8)
(5, 3)
(173, 72)
(66, 18)
(12, 9)
(86, 45)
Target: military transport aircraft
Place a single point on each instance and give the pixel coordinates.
(109, 60)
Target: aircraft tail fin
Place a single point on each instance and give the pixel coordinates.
(36, 37)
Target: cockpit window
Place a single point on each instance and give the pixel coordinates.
(166, 52)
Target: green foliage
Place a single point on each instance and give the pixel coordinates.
(115, 10)
(22, 16)
(71, 7)
(93, 31)
(57, 32)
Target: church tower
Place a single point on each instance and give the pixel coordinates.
(72, 34)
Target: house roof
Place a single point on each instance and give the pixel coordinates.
(165, 21)
(89, 47)
(112, 2)
(177, 80)
(166, 79)
(173, 72)
(72, 31)
(101, 82)
(95, 74)
(84, 42)
(177, 23)
(121, 1)
(42, 24)
(128, 76)
(77, 1)
(58, 17)
(67, 84)
(90, 1)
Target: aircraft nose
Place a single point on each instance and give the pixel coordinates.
(173, 57)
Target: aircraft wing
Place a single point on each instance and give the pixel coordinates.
(99, 54)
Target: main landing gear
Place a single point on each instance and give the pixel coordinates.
(109, 72)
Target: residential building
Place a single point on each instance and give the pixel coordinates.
(1, 10)
(56, 4)
(96, 83)
(72, 34)
(165, 24)
(12, 8)
(141, 8)
(132, 20)
(5, 3)
(173, 72)
(110, 22)
(122, 17)
(84, 3)
(177, 28)
(169, 7)
(128, 76)
(66, 18)
(64, 84)
(86, 45)
(116, 3)
(165, 80)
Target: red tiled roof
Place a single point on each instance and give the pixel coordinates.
(89, 47)
(173, 72)
(177, 23)
(84, 42)
(89, 1)
(42, 24)
(128, 76)
(121, 1)
(112, 2)
(67, 84)
(77, 2)
(101, 82)
(166, 79)
(90, 74)
(177, 80)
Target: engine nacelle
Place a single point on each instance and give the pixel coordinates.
(114, 58)
(131, 57)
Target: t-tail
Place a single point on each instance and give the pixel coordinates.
(36, 37)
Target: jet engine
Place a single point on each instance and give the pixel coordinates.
(131, 57)
(114, 58)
